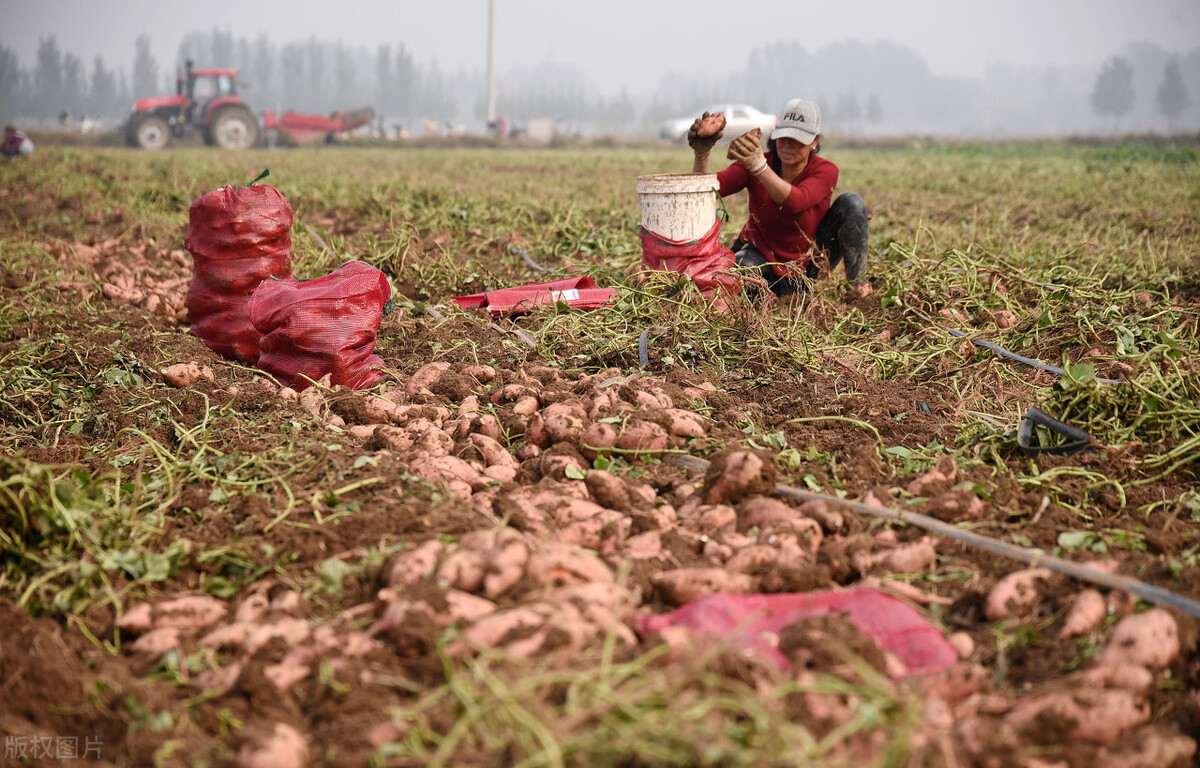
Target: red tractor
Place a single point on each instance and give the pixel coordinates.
(206, 101)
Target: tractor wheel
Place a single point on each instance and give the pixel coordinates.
(234, 128)
(151, 133)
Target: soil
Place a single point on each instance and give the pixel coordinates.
(132, 707)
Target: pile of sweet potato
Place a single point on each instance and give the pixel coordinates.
(141, 274)
(566, 555)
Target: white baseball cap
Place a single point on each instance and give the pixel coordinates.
(800, 120)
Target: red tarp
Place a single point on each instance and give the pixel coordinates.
(577, 292)
(743, 620)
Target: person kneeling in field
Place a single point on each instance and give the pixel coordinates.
(15, 143)
(792, 209)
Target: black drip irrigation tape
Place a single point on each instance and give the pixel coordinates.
(1033, 559)
(525, 256)
(999, 350)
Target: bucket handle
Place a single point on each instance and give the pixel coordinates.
(723, 214)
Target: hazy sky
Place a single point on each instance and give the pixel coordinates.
(620, 43)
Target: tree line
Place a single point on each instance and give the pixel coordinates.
(862, 88)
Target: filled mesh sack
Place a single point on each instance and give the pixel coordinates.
(238, 237)
(323, 325)
(704, 260)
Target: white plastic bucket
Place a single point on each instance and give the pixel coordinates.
(678, 206)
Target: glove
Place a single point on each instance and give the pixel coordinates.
(703, 144)
(748, 150)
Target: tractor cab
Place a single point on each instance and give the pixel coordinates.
(204, 86)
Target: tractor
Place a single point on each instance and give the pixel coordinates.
(206, 101)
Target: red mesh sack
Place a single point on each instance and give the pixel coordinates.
(238, 236)
(325, 325)
(702, 260)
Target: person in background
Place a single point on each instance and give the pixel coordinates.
(793, 213)
(15, 143)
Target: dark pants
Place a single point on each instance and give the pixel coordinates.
(841, 236)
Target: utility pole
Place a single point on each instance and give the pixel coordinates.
(491, 64)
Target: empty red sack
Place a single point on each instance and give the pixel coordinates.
(747, 621)
(325, 325)
(238, 236)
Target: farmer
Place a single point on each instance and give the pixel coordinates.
(793, 214)
(15, 143)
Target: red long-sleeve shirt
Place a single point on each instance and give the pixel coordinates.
(784, 232)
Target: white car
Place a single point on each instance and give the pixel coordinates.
(739, 118)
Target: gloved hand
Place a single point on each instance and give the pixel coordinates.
(702, 144)
(747, 148)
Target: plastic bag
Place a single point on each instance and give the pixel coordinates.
(238, 236)
(325, 325)
(744, 621)
(706, 261)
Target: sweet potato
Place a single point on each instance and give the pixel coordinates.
(285, 675)
(1149, 639)
(596, 438)
(564, 511)
(685, 423)
(458, 476)
(1099, 715)
(638, 436)
(1087, 612)
(501, 474)
(412, 565)
(292, 631)
(156, 642)
(644, 546)
(484, 374)
(916, 557)
(711, 125)
(526, 405)
(928, 483)
(736, 473)
(1130, 677)
(762, 512)
(1015, 594)
(492, 452)
(506, 563)
(564, 422)
(611, 491)
(186, 374)
(462, 569)
(753, 559)
(284, 748)
(682, 585)
(962, 643)
(560, 565)
(230, 635)
(708, 519)
(424, 378)
(492, 630)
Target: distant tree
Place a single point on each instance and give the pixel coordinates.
(1113, 92)
(222, 54)
(346, 73)
(74, 85)
(874, 110)
(405, 96)
(102, 91)
(264, 70)
(48, 80)
(145, 69)
(385, 80)
(12, 99)
(848, 110)
(1173, 98)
